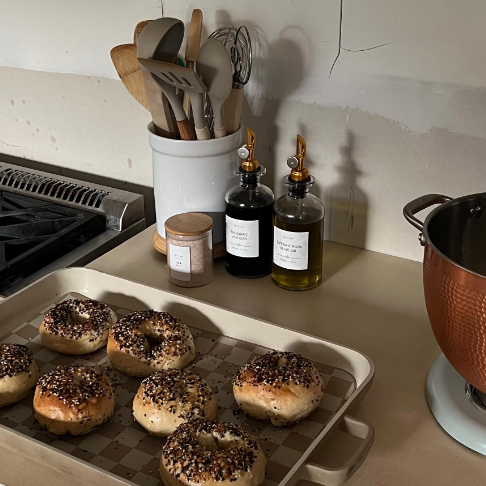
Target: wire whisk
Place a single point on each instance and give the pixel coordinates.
(238, 43)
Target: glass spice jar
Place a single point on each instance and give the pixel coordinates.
(190, 249)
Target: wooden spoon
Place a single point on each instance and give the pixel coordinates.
(124, 59)
(232, 110)
(192, 48)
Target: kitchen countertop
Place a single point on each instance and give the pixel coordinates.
(368, 301)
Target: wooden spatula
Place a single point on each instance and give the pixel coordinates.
(192, 48)
(124, 59)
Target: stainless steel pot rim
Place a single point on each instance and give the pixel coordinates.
(436, 211)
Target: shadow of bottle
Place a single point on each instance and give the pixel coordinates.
(347, 204)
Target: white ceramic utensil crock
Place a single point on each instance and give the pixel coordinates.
(193, 176)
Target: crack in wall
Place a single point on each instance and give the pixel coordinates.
(341, 48)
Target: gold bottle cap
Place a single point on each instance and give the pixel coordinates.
(247, 152)
(299, 173)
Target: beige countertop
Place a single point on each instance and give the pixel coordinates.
(368, 301)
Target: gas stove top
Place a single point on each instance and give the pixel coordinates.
(48, 223)
(34, 233)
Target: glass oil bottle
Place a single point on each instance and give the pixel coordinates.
(249, 212)
(298, 229)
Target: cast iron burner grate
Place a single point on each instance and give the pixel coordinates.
(34, 233)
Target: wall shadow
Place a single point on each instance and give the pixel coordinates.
(278, 69)
(347, 203)
(193, 316)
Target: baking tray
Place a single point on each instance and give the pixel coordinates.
(121, 452)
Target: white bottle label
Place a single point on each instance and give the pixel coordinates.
(291, 249)
(180, 262)
(242, 238)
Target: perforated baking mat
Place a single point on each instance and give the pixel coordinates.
(124, 448)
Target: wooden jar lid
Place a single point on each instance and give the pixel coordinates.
(189, 224)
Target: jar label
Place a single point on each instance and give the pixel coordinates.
(291, 249)
(242, 238)
(180, 262)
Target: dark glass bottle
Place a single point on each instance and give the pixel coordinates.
(298, 229)
(249, 212)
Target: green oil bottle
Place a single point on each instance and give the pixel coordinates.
(298, 229)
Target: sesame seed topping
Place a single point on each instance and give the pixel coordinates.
(278, 369)
(183, 392)
(152, 335)
(75, 384)
(201, 450)
(14, 359)
(75, 318)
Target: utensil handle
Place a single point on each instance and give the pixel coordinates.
(187, 101)
(219, 132)
(203, 133)
(159, 107)
(185, 129)
(420, 204)
(330, 476)
(232, 110)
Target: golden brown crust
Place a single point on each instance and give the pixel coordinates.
(148, 341)
(14, 388)
(168, 398)
(18, 372)
(73, 399)
(212, 453)
(281, 386)
(77, 326)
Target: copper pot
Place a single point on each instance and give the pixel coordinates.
(454, 236)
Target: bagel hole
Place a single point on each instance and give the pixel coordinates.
(282, 362)
(153, 338)
(78, 378)
(211, 443)
(75, 318)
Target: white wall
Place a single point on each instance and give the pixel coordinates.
(390, 124)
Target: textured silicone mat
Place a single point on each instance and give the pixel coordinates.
(124, 448)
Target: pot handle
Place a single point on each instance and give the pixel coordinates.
(420, 204)
(327, 476)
